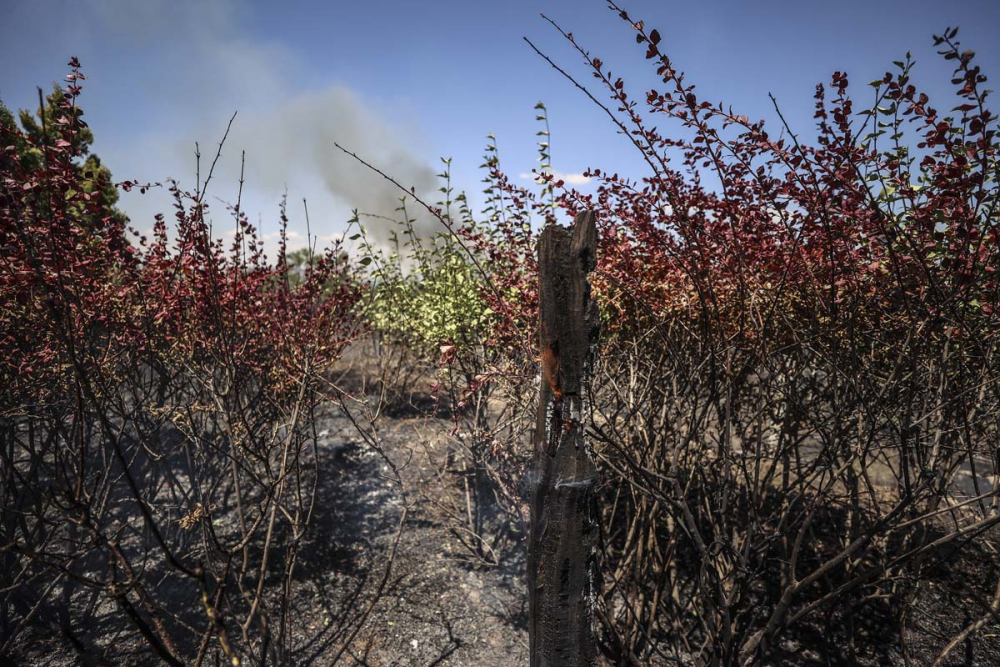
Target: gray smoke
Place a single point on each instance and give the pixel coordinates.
(186, 66)
(299, 136)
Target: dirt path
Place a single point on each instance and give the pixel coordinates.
(438, 606)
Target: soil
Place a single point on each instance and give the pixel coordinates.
(440, 606)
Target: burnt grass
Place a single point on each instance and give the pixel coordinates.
(439, 605)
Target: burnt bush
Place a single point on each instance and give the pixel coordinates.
(158, 414)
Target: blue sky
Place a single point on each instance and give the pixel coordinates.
(406, 82)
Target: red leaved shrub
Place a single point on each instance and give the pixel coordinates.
(158, 412)
(799, 360)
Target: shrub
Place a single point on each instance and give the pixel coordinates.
(798, 366)
(425, 294)
(158, 412)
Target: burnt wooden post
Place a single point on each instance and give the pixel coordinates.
(562, 549)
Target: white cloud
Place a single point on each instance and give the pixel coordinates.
(570, 178)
